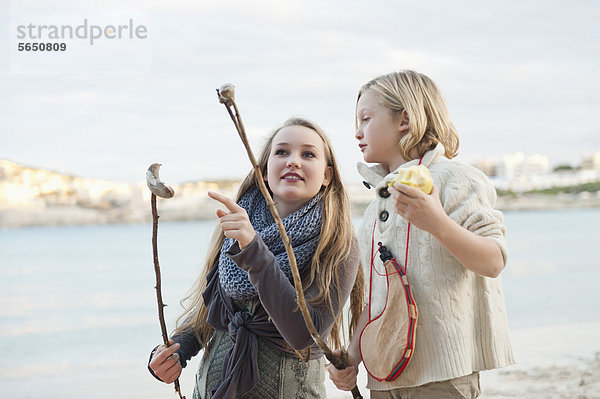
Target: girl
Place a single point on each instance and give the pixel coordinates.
(243, 309)
(456, 247)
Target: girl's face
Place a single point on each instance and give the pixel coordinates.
(297, 168)
(379, 131)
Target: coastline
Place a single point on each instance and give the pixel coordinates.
(541, 202)
(199, 207)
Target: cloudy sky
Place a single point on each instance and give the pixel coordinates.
(517, 76)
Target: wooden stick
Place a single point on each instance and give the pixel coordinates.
(156, 185)
(226, 97)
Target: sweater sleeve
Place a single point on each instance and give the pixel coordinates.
(469, 199)
(189, 348)
(278, 295)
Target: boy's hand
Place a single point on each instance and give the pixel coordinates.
(421, 210)
(343, 379)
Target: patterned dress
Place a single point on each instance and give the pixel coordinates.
(281, 376)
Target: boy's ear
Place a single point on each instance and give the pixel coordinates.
(403, 121)
(328, 176)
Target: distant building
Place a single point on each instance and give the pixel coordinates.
(591, 161)
(520, 173)
(518, 167)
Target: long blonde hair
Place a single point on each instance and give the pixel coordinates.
(335, 245)
(429, 119)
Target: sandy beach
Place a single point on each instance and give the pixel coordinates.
(552, 362)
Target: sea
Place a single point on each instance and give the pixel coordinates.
(78, 313)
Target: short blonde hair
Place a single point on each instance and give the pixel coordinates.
(429, 120)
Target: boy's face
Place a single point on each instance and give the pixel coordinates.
(379, 131)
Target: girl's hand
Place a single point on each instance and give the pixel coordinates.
(236, 223)
(344, 379)
(165, 363)
(421, 210)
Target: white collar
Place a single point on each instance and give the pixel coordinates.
(375, 174)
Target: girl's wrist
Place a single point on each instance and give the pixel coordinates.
(247, 240)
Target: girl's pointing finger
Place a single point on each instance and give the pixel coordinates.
(228, 202)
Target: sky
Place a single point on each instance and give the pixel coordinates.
(518, 76)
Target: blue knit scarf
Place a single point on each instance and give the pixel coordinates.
(303, 227)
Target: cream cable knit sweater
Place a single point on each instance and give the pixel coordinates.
(462, 326)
